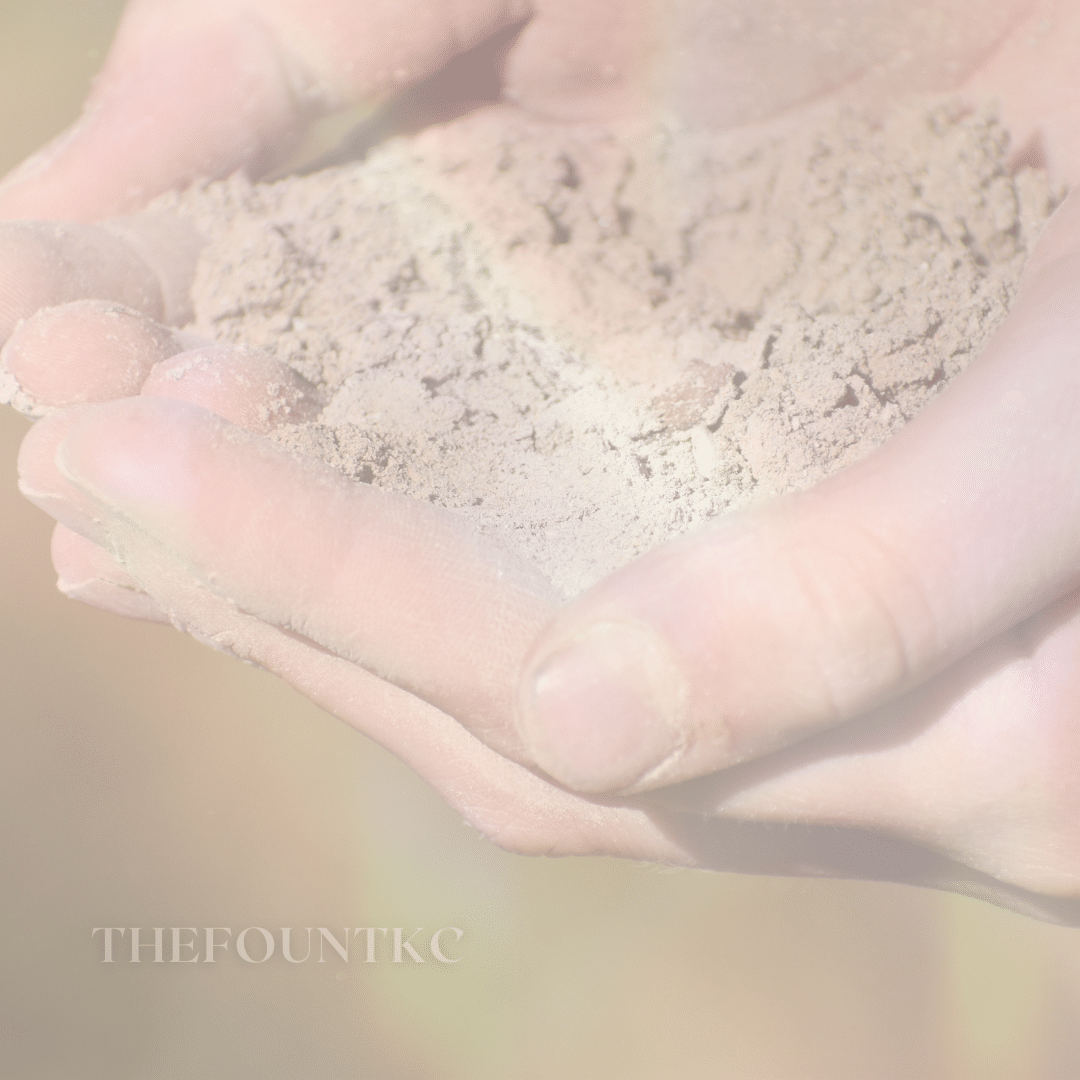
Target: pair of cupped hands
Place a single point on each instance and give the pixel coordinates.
(879, 677)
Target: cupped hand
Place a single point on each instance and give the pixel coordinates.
(923, 595)
(389, 614)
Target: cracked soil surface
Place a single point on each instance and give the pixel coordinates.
(590, 341)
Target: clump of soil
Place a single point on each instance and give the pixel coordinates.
(590, 341)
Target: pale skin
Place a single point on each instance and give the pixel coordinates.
(894, 652)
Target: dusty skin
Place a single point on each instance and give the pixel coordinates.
(923, 594)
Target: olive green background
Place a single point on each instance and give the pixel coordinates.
(147, 781)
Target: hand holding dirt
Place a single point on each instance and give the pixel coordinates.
(889, 650)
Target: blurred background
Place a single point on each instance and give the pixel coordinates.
(147, 781)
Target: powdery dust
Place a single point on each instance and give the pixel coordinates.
(588, 342)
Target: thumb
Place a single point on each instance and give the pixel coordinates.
(799, 615)
(187, 90)
(201, 88)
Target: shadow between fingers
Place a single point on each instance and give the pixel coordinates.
(825, 851)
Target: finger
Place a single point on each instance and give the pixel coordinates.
(206, 87)
(979, 763)
(386, 582)
(87, 350)
(507, 802)
(87, 573)
(783, 620)
(91, 350)
(241, 385)
(519, 811)
(244, 386)
(145, 262)
(187, 90)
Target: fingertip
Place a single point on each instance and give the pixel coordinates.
(607, 710)
(718, 647)
(243, 386)
(84, 351)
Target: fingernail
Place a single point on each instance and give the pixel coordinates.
(608, 710)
